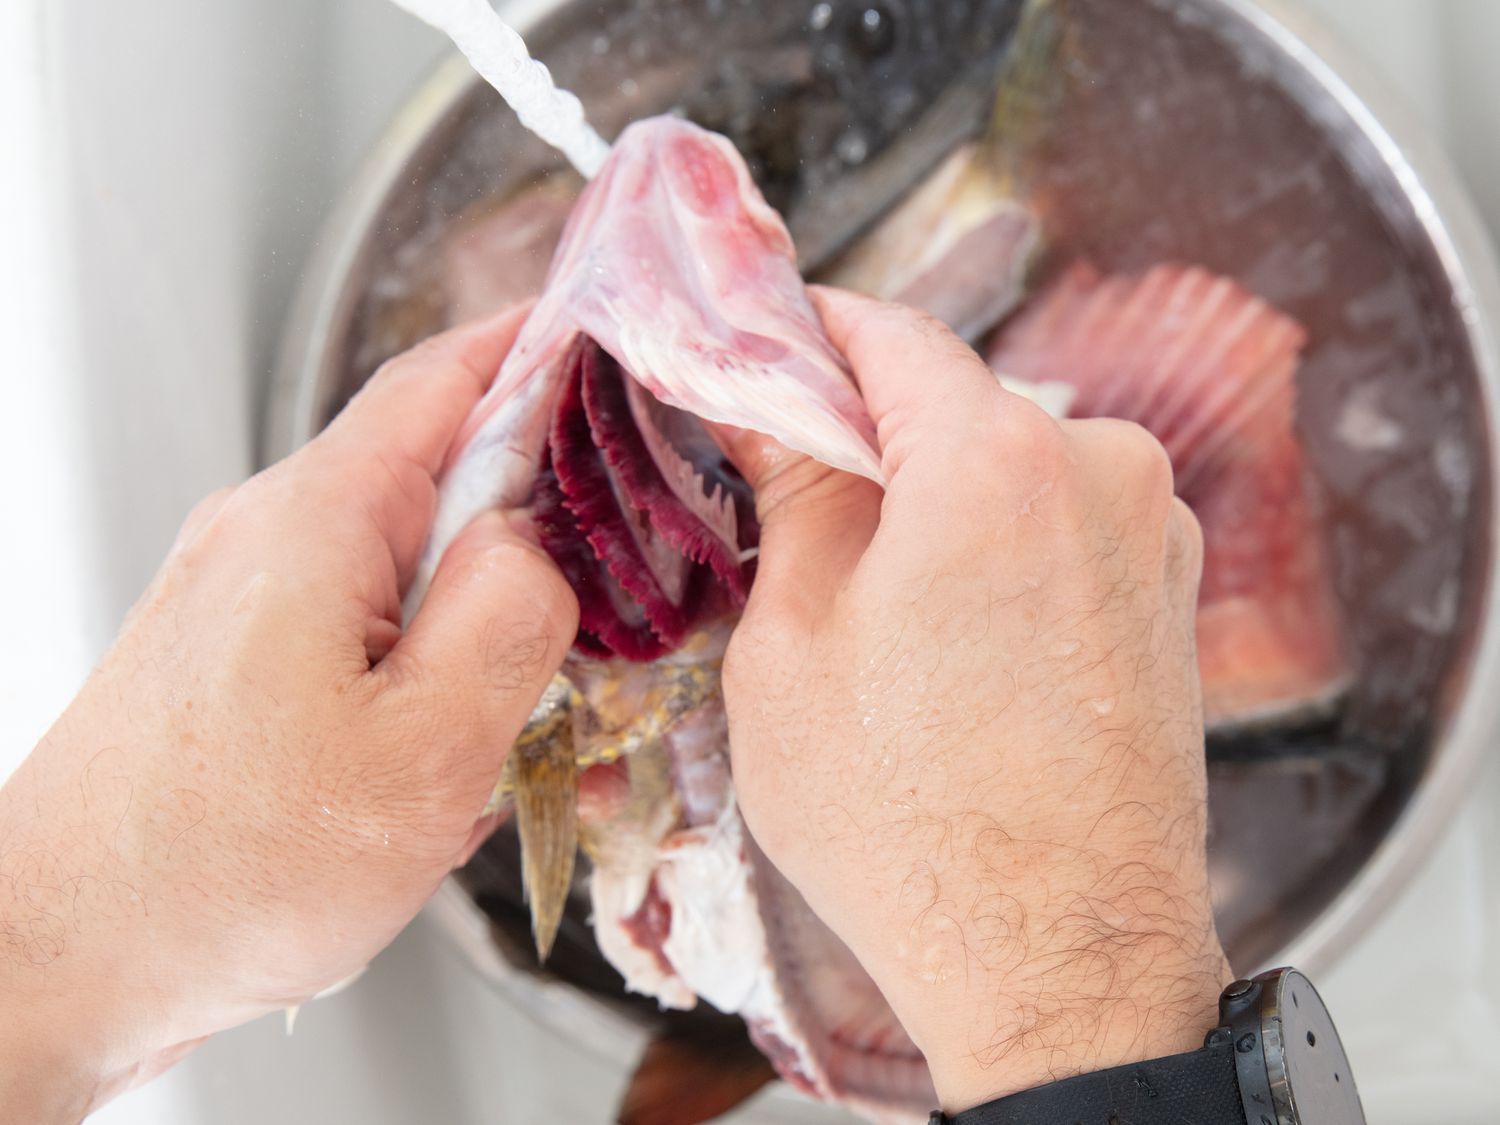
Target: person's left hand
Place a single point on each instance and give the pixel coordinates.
(266, 778)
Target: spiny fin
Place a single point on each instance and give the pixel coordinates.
(545, 780)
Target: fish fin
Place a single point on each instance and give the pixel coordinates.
(546, 796)
(1209, 368)
(691, 1075)
(1204, 364)
(1028, 92)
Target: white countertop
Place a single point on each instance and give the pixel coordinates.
(165, 166)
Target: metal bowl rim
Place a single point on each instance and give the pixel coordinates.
(1431, 188)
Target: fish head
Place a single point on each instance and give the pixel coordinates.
(678, 268)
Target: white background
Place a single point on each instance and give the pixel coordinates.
(165, 164)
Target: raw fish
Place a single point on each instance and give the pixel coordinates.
(674, 295)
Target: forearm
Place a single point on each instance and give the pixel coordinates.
(73, 1019)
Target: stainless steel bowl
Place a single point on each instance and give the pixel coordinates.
(1218, 131)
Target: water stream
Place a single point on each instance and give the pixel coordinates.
(499, 55)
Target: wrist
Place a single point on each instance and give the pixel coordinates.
(82, 1002)
(47, 1075)
(1037, 986)
(1048, 1029)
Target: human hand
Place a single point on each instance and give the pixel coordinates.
(266, 778)
(964, 717)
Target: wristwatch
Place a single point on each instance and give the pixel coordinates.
(1274, 1059)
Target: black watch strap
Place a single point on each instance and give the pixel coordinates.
(1200, 1086)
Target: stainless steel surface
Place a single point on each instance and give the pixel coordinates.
(1312, 1082)
(1291, 1063)
(1423, 213)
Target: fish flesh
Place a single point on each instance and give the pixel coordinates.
(1210, 370)
(674, 296)
(958, 247)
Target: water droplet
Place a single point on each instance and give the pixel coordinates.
(601, 44)
(629, 88)
(874, 34)
(852, 147)
(820, 17)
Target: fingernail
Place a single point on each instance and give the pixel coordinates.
(488, 527)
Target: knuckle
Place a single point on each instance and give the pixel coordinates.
(210, 503)
(1148, 461)
(791, 483)
(1026, 428)
(409, 483)
(1009, 438)
(1128, 456)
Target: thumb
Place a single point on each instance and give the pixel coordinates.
(815, 521)
(493, 630)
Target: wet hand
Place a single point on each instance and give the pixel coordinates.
(965, 722)
(267, 777)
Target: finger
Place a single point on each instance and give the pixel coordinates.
(494, 628)
(383, 453)
(418, 400)
(815, 521)
(920, 382)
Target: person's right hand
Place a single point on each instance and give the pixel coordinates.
(964, 717)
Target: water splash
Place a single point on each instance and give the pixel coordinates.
(499, 55)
